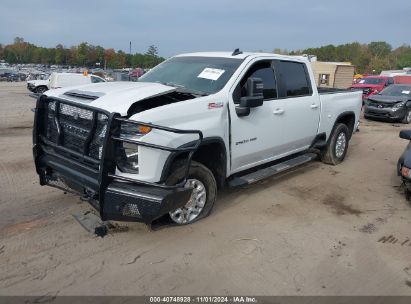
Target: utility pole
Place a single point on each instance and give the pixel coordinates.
(130, 63)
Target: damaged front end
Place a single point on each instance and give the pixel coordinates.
(404, 164)
(74, 148)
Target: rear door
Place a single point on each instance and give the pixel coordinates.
(300, 107)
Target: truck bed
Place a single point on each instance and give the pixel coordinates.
(335, 102)
(323, 91)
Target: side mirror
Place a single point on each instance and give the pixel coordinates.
(405, 134)
(254, 96)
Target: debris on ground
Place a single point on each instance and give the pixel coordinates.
(368, 228)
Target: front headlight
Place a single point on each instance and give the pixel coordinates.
(127, 153)
(406, 172)
(132, 131)
(398, 106)
(127, 158)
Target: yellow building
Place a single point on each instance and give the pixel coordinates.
(337, 75)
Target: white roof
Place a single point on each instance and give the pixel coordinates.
(240, 56)
(333, 62)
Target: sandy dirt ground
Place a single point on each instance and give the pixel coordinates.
(319, 230)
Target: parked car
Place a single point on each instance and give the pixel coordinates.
(38, 85)
(393, 103)
(371, 85)
(61, 80)
(6, 75)
(13, 77)
(164, 145)
(404, 164)
(403, 79)
(136, 74)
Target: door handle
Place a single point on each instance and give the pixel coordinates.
(278, 111)
(314, 106)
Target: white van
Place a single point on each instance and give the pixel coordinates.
(61, 80)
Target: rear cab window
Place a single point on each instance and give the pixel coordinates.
(293, 79)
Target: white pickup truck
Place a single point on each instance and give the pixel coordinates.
(162, 146)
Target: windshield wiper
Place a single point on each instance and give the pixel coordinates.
(183, 89)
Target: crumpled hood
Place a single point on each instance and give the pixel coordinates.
(388, 99)
(111, 96)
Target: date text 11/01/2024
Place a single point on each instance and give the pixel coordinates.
(205, 299)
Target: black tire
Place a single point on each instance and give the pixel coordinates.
(41, 89)
(329, 154)
(407, 193)
(407, 117)
(197, 172)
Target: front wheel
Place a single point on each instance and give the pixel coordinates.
(337, 146)
(407, 117)
(41, 89)
(204, 194)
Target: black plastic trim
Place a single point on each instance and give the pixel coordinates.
(351, 113)
(170, 159)
(319, 141)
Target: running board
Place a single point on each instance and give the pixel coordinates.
(270, 171)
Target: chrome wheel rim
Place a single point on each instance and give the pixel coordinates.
(340, 145)
(409, 116)
(194, 206)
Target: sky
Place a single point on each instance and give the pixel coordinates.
(178, 26)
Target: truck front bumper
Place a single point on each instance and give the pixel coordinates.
(120, 201)
(115, 197)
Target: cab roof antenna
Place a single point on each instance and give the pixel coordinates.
(236, 52)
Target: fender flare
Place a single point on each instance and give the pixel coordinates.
(346, 113)
(206, 141)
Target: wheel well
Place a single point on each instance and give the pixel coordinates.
(211, 153)
(349, 120)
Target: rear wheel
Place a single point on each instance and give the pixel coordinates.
(204, 194)
(337, 146)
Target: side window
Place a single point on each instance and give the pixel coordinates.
(96, 79)
(294, 79)
(263, 70)
(390, 81)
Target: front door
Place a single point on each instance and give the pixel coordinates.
(254, 138)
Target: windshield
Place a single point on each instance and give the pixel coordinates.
(204, 75)
(371, 81)
(397, 90)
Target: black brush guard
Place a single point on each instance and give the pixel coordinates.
(115, 197)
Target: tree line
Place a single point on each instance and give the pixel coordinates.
(84, 55)
(367, 58)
